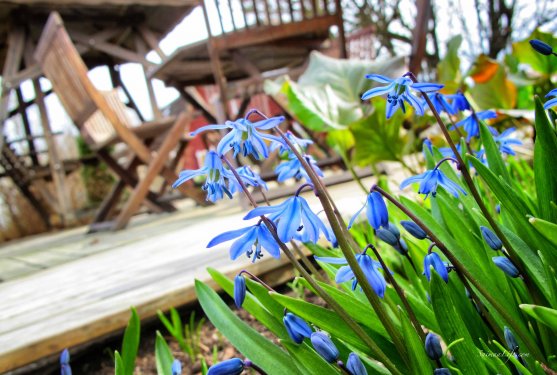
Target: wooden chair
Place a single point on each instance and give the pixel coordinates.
(102, 122)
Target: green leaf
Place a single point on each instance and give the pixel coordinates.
(511, 358)
(251, 304)
(546, 229)
(419, 362)
(248, 341)
(119, 368)
(163, 356)
(525, 54)
(544, 168)
(342, 141)
(307, 359)
(327, 94)
(453, 328)
(542, 314)
(130, 342)
(448, 69)
(492, 153)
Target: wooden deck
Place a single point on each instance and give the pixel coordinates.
(65, 289)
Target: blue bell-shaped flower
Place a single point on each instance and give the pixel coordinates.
(323, 345)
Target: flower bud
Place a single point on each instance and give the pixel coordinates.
(239, 290)
(414, 229)
(512, 344)
(323, 345)
(176, 367)
(491, 238)
(441, 371)
(387, 236)
(355, 365)
(434, 260)
(541, 47)
(506, 266)
(296, 327)
(65, 368)
(401, 247)
(433, 346)
(233, 366)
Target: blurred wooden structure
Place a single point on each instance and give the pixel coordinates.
(103, 122)
(105, 33)
(249, 40)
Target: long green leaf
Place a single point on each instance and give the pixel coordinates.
(163, 356)
(453, 328)
(119, 368)
(546, 229)
(542, 314)
(544, 168)
(492, 153)
(307, 360)
(418, 359)
(248, 341)
(130, 342)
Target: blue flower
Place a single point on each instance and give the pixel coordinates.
(323, 345)
(293, 168)
(296, 327)
(471, 125)
(460, 103)
(441, 104)
(430, 180)
(65, 368)
(552, 102)
(398, 92)
(251, 240)
(441, 371)
(376, 212)
(541, 47)
(294, 220)
(447, 152)
(391, 235)
(433, 346)
(283, 147)
(491, 238)
(249, 178)
(239, 290)
(414, 229)
(433, 259)
(506, 266)
(504, 141)
(217, 177)
(233, 366)
(245, 137)
(369, 267)
(512, 344)
(176, 367)
(355, 365)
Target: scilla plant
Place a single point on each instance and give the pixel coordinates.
(485, 300)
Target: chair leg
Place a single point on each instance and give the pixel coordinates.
(154, 169)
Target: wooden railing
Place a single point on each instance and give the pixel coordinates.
(228, 16)
(359, 44)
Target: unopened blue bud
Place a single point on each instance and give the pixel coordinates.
(512, 344)
(176, 367)
(387, 236)
(65, 368)
(434, 260)
(239, 290)
(414, 229)
(233, 366)
(441, 371)
(491, 238)
(323, 345)
(541, 47)
(355, 365)
(296, 327)
(433, 346)
(506, 266)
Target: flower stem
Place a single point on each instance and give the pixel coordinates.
(343, 314)
(526, 338)
(401, 294)
(342, 235)
(309, 265)
(257, 279)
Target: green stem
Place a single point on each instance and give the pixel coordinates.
(401, 294)
(460, 267)
(309, 265)
(343, 314)
(342, 235)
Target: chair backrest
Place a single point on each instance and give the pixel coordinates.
(89, 109)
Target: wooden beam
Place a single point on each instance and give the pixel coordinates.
(27, 128)
(141, 48)
(116, 78)
(419, 36)
(191, 95)
(151, 40)
(57, 170)
(246, 64)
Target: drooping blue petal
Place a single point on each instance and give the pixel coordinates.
(415, 102)
(550, 103)
(351, 222)
(264, 210)
(551, 93)
(290, 220)
(344, 273)
(427, 87)
(243, 244)
(451, 186)
(187, 175)
(377, 214)
(374, 277)
(296, 327)
(208, 127)
(377, 91)
(227, 236)
(267, 240)
(331, 260)
(269, 123)
(434, 260)
(410, 180)
(379, 78)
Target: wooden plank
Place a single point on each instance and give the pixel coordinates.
(151, 40)
(150, 89)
